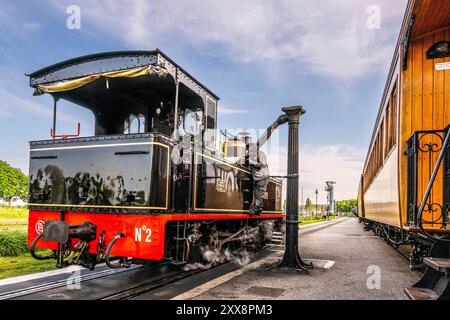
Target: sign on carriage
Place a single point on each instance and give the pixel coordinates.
(442, 66)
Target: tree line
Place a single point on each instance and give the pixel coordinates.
(340, 206)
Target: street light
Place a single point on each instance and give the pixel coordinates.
(317, 192)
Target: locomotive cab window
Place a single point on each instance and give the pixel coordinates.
(210, 123)
(134, 124)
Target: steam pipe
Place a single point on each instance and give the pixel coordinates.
(108, 250)
(33, 249)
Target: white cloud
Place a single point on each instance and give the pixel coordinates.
(13, 104)
(223, 109)
(327, 37)
(340, 163)
(14, 23)
(31, 25)
(17, 102)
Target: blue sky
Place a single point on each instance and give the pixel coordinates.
(257, 56)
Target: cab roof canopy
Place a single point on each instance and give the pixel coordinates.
(114, 85)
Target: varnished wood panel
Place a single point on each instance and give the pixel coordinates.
(381, 198)
(424, 99)
(425, 105)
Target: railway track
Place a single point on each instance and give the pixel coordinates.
(61, 283)
(404, 250)
(133, 282)
(152, 285)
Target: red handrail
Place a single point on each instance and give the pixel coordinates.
(66, 136)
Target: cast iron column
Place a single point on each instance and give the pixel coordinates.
(291, 257)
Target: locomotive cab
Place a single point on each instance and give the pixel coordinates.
(134, 100)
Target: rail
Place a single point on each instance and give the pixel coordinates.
(429, 161)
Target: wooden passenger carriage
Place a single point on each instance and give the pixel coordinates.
(415, 105)
(404, 192)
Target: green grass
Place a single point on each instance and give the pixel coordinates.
(23, 264)
(13, 227)
(15, 258)
(13, 219)
(13, 244)
(309, 220)
(13, 213)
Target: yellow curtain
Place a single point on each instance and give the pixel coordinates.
(79, 82)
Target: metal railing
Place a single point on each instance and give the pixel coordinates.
(429, 163)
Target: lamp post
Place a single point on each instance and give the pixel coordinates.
(317, 192)
(291, 258)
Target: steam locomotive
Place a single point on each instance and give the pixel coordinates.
(152, 184)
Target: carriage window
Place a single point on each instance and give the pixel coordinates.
(376, 159)
(381, 146)
(387, 118)
(393, 136)
(134, 124)
(210, 127)
(391, 120)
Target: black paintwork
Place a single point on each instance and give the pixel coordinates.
(102, 171)
(439, 50)
(113, 173)
(221, 186)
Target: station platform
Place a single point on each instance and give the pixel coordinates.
(349, 264)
